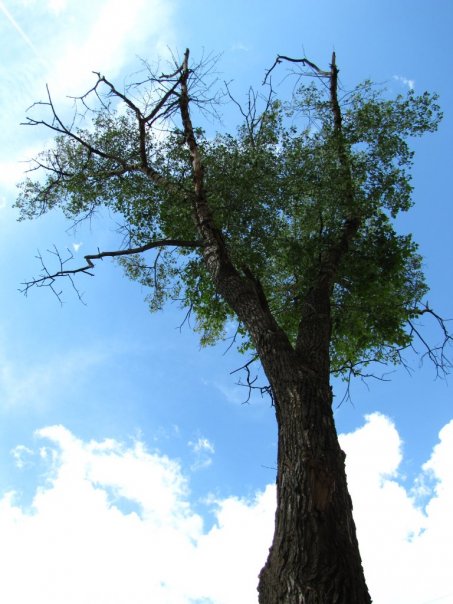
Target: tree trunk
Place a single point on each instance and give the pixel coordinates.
(314, 558)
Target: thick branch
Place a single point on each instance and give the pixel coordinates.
(314, 332)
(351, 225)
(332, 258)
(215, 251)
(241, 291)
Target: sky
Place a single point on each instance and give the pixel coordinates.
(130, 468)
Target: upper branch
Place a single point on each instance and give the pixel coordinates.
(305, 62)
(162, 107)
(209, 232)
(57, 125)
(333, 257)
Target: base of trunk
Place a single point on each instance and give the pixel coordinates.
(314, 558)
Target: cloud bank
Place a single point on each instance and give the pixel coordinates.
(115, 523)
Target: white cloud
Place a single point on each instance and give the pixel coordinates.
(114, 35)
(406, 553)
(57, 6)
(78, 546)
(202, 444)
(406, 81)
(203, 450)
(22, 456)
(79, 543)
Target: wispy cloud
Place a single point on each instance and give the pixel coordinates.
(22, 456)
(105, 35)
(203, 451)
(115, 33)
(240, 46)
(40, 383)
(21, 32)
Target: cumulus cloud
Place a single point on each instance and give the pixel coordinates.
(115, 523)
(79, 543)
(405, 550)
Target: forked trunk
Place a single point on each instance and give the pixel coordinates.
(314, 558)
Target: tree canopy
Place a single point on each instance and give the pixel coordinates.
(281, 189)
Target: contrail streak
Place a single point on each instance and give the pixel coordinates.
(21, 32)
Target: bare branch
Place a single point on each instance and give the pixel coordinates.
(253, 118)
(304, 61)
(436, 354)
(48, 279)
(186, 318)
(251, 381)
(58, 126)
(162, 109)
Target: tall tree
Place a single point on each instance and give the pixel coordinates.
(287, 226)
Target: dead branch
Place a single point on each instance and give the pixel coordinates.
(163, 103)
(251, 381)
(47, 279)
(253, 117)
(304, 62)
(436, 354)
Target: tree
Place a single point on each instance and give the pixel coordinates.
(286, 227)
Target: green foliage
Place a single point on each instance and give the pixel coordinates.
(278, 193)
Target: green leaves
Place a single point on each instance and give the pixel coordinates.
(278, 192)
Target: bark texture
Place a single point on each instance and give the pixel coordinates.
(314, 558)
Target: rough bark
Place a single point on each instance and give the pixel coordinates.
(314, 558)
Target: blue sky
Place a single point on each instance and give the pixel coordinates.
(126, 455)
